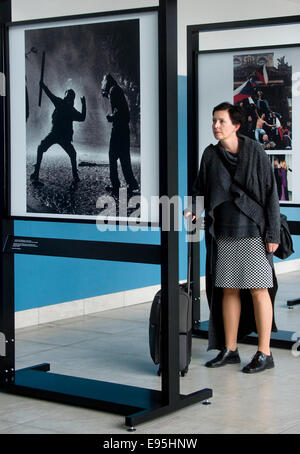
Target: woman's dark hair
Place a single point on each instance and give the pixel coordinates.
(236, 113)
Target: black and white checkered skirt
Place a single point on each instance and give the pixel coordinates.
(242, 263)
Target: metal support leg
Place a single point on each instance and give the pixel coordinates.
(292, 303)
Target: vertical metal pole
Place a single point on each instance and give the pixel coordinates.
(193, 154)
(168, 84)
(7, 313)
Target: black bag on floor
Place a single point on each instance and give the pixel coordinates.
(185, 324)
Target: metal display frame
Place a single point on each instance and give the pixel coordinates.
(136, 404)
(13, 165)
(281, 339)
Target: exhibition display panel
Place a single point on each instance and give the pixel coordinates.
(133, 50)
(101, 63)
(254, 64)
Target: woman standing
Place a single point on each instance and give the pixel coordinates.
(282, 173)
(242, 223)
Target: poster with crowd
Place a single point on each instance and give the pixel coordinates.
(265, 82)
(262, 86)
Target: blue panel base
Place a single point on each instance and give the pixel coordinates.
(136, 404)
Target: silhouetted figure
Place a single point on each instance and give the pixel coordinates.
(277, 176)
(119, 145)
(62, 129)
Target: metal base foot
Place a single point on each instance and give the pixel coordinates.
(292, 303)
(157, 411)
(136, 404)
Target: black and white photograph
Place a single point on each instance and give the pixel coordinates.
(86, 112)
(82, 115)
(263, 87)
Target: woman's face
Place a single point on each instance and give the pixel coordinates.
(223, 128)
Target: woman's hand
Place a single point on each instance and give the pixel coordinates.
(188, 214)
(271, 247)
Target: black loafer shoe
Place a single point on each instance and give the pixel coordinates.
(225, 356)
(260, 362)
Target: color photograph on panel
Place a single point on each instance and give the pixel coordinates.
(263, 88)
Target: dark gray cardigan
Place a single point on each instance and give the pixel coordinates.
(254, 192)
(253, 186)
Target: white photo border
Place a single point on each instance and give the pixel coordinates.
(149, 88)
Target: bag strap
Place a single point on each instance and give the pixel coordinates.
(189, 267)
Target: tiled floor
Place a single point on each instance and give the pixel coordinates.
(113, 346)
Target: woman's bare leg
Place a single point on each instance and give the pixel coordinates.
(263, 312)
(231, 309)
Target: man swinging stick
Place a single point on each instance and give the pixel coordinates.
(62, 126)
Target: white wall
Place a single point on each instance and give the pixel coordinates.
(193, 12)
(190, 12)
(35, 9)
